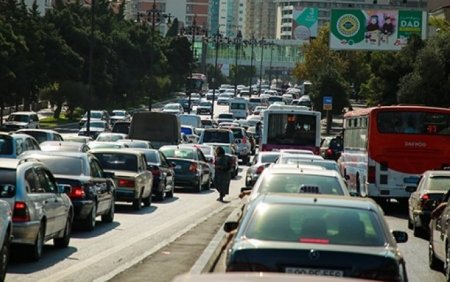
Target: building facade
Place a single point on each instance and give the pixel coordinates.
(260, 19)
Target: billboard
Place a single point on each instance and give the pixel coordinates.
(304, 23)
(352, 29)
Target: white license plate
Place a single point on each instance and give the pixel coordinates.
(315, 271)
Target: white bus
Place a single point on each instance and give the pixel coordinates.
(290, 127)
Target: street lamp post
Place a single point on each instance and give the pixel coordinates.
(262, 42)
(91, 63)
(217, 40)
(270, 67)
(252, 43)
(237, 43)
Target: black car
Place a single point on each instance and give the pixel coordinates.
(316, 235)
(331, 147)
(163, 174)
(92, 191)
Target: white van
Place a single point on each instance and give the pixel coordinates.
(239, 108)
(191, 120)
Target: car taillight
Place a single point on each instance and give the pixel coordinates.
(329, 153)
(193, 167)
(260, 169)
(77, 192)
(424, 199)
(126, 183)
(371, 174)
(20, 213)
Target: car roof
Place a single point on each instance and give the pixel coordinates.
(38, 130)
(317, 199)
(177, 147)
(130, 151)
(295, 169)
(433, 173)
(302, 166)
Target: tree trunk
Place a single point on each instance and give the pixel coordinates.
(57, 111)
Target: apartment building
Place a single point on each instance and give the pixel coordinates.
(260, 19)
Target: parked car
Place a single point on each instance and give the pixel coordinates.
(162, 171)
(63, 146)
(191, 167)
(13, 145)
(42, 135)
(133, 179)
(6, 234)
(259, 163)
(204, 107)
(96, 127)
(316, 234)
(20, 120)
(119, 115)
(431, 188)
(41, 209)
(173, 108)
(95, 116)
(121, 126)
(331, 147)
(91, 189)
(294, 179)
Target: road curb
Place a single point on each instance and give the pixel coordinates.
(211, 255)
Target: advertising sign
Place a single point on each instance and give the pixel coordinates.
(375, 29)
(305, 23)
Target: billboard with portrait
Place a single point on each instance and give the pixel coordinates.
(352, 29)
(304, 23)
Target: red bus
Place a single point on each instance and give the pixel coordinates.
(387, 148)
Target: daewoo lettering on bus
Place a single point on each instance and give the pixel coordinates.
(387, 148)
(290, 127)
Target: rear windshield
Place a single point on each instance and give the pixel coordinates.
(237, 133)
(238, 106)
(316, 224)
(292, 183)
(269, 158)
(67, 166)
(38, 135)
(120, 127)
(275, 99)
(19, 118)
(6, 146)
(182, 153)
(255, 100)
(229, 116)
(7, 183)
(117, 161)
(439, 183)
(152, 157)
(216, 137)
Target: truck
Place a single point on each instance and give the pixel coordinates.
(159, 128)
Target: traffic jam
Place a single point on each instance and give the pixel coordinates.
(313, 202)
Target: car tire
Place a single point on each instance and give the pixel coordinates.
(109, 217)
(137, 203)
(199, 187)
(37, 248)
(89, 222)
(433, 262)
(417, 231)
(171, 192)
(207, 185)
(4, 256)
(64, 241)
(147, 201)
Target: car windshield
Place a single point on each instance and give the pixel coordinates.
(7, 183)
(205, 104)
(439, 183)
(316, 224)
(182, 153)
(226, 116)
(152, 156)
(118, 114)
(118, 161)
(19, 118)
(295, 183)
(94, 124)
(216, 137)
(64, 165)
(269, 158)
(94, 115)
(6, 146)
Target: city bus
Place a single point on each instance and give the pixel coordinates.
(290, 127)
(387, 148)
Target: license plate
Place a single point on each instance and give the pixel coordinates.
(315, 271)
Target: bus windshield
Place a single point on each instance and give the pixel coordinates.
(286, 129)
(413, 122)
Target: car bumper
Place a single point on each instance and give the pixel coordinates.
(123, 194)
(82, 209)
(186, 180)
(25, 232)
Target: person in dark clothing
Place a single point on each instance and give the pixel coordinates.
(222, 173)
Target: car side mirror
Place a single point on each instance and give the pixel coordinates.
(230, 226)
(64, 188)
(411, 189)
(173, 165)
(400, 236)
(108, 174)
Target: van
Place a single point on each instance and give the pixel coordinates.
(191, 120)
(239, 108)
(158, 128)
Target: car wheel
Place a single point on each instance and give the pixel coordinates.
(417, 231)
(109, 217)
(64, 241)
(199, 185)
(137, 203)
(171, 192)
(433, 262)
(207, 185)
(147, 201)
(4, 256)
(37, 248)
(89, 222)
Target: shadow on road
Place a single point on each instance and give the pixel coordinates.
(20, 264)
(191, 191)
(395, 209)
(167, 200)
(100, 229)
(128, 209)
